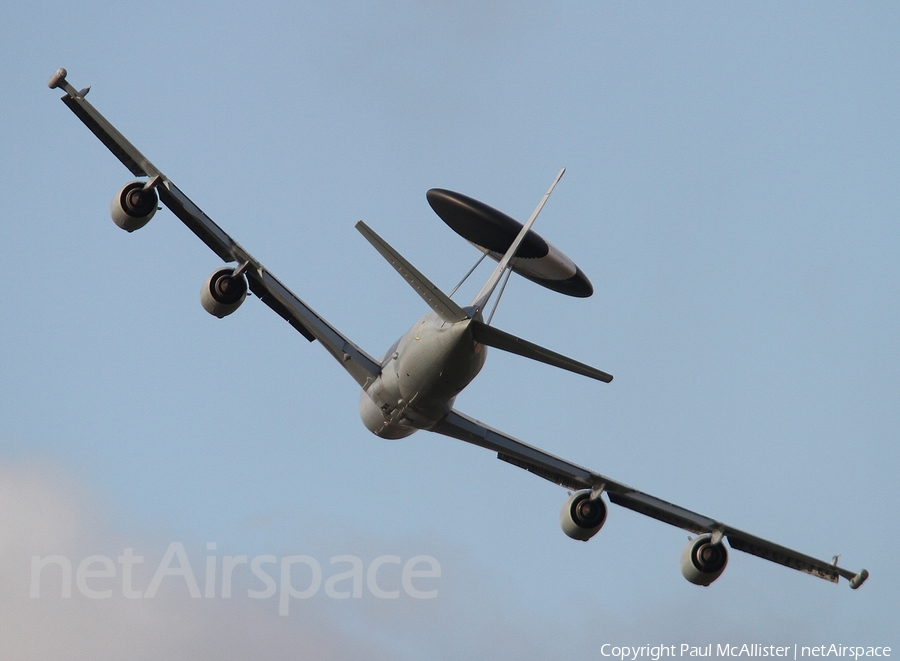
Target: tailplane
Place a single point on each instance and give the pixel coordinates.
(436, 299)
(494, 337)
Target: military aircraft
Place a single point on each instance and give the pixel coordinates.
(415, 383)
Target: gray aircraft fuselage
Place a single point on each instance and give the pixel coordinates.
(422, 373)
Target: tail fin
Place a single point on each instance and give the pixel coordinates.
(482, 297)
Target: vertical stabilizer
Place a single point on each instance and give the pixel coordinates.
(482, 297)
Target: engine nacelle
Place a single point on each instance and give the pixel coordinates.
(581, 517)
(223, 292)
(702, 562)
(133, 207)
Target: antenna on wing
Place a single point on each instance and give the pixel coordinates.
(482, 298)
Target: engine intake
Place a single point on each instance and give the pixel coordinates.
(581, 516)
(133, 206)
(223, 292)
(702, 562)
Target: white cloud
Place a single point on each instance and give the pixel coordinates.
(44, 512)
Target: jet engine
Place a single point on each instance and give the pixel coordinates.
(133, 206)
(582, 516)
(223, 292)
(702, 562)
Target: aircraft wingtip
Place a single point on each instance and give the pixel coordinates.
(57, 78)
(859, 579)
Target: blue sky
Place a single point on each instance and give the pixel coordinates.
(731, 191)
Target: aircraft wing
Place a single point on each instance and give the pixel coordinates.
(362, 367)
(575, 477)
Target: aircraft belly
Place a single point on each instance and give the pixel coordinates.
(420, 379)
(381, 419)
(438, 363)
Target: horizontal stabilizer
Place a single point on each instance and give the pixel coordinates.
(493, 337)
(436, 299)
